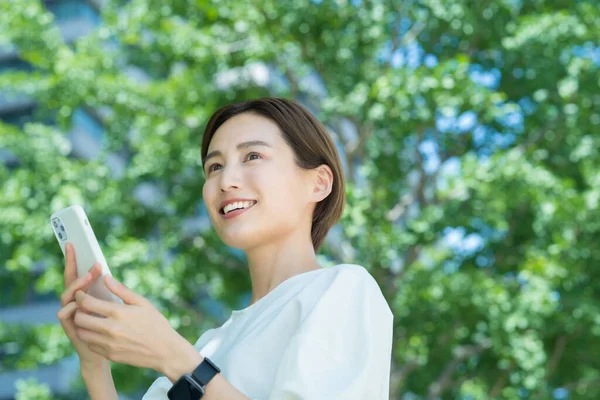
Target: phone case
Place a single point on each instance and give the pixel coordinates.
(71, 225)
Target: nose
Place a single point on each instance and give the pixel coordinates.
(230, 178)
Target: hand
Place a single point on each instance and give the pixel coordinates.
(67, 313)
(134, 332)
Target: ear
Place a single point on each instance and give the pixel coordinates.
(321, 182)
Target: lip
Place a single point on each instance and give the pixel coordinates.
(235, 213)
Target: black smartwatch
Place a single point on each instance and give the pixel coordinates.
(191, 386)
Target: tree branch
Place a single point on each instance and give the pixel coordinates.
(348, 154)
(365, 132)
(582, 383)
(406, 39)
(443, 382)
(557, 353)
(498, 385)
(420, 189)
(412, 253)
(399, 375)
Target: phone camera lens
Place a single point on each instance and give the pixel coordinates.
(60, 235)
(62, 228)
(55, 224)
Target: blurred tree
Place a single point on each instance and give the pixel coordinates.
(470, 135)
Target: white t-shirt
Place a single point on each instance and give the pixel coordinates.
(322, 334)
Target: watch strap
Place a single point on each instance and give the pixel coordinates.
(186, 388)
(205, 371)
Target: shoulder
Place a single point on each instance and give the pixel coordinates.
(353, 284)
(351, 276)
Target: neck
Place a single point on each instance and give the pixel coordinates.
(273, 263)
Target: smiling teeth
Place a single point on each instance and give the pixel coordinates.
(236, 205)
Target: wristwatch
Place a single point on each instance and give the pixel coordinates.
(191, 386)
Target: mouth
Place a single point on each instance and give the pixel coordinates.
(237, 211)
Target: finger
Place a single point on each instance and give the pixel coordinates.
(91, 323)
(88, 336)
(82, 283)
(79, 283)
(123, 292)
(98, 350)
(67, 311)
(102, 307)
(70, 264)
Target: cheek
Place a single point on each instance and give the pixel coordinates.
(208, 194)
(281, 196)
(204, 194)
(267, 185)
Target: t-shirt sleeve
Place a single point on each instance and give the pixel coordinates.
(343, 348)
(158, 390)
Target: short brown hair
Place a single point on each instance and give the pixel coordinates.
(310, 142)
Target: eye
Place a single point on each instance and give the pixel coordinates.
(211, 168)
(252, 154)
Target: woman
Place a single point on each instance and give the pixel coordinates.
(274, 187)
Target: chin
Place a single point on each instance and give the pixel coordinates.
(247, 239)
(241, 240)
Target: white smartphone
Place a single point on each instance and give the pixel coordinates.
(71, 225)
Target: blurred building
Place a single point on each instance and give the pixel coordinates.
(76, 18)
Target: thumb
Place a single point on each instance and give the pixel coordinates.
(123, 292)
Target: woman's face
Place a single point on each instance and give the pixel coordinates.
(265, 174)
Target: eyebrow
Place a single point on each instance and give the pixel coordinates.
(242, 145)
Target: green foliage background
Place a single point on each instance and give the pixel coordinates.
(515, 318)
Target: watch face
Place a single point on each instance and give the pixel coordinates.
(185, 388)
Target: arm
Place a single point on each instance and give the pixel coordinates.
(99, 381)
(119, 338)
(100, 385)
(217, 389)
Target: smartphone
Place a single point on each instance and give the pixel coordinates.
(72, 225)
